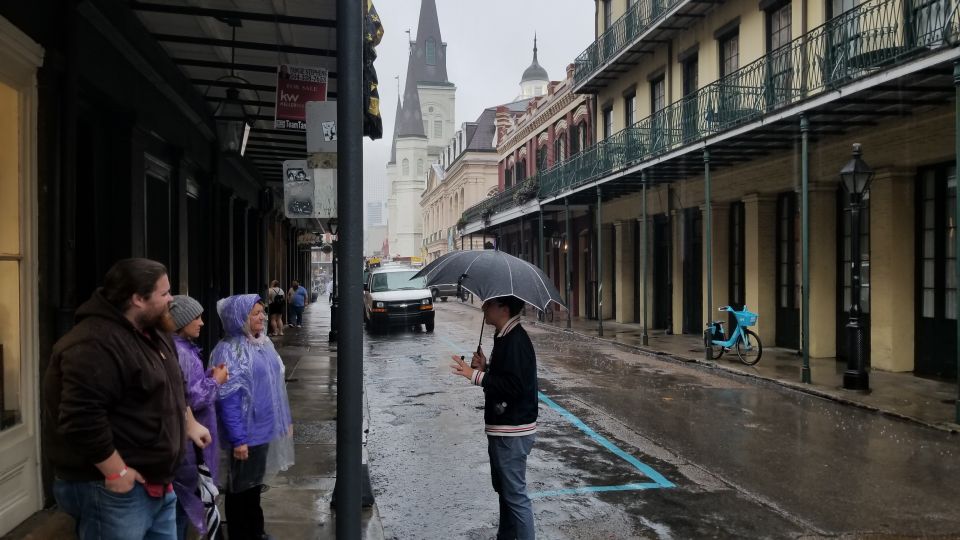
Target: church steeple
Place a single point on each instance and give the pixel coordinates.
(428, 54)
(396, 130)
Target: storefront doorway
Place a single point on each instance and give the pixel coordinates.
(19, 468)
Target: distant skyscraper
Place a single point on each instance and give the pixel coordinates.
(375, 213)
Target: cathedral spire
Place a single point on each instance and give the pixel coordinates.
(396, 127)
(428, 54)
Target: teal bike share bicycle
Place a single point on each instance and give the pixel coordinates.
(746, 341)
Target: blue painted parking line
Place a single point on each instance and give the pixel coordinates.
(658, 480)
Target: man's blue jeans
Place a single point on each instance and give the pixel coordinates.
(297, 315)
(508, 469)
(104, 515)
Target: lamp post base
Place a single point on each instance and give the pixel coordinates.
(856, 380)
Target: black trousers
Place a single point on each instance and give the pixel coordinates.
(244, 515)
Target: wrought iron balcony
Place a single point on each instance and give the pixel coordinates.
(871, 37)
(497, 203)
(639, 30)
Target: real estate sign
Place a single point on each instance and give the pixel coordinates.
(296, 85)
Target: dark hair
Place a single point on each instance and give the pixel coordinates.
(512, 303)
(131, 276)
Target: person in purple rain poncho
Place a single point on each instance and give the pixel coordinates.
(253, 411)
(201, 395)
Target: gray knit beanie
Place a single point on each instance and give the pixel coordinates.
(184, 310)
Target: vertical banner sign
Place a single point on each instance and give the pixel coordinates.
(296, 85)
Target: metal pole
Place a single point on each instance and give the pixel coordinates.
(599, 262)
(644, 338)
(709, 239)
(956, 151)
(569, 270)
(350, 45)
(805, 238)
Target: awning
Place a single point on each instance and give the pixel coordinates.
(199, 38)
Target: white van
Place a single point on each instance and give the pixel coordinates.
(393, 297)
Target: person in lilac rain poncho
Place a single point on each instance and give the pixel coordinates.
(201, 395)
(254, 413)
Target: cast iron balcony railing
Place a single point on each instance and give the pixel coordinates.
(869, 38)
(497, 203)
(638, 18)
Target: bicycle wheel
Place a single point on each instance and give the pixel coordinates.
(716, 351)
(751, 355)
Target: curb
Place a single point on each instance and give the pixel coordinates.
(797, 387)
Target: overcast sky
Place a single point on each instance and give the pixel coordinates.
(489, 45)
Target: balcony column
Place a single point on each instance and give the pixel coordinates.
(599, 255)
(956, 159)
(583, 266)
(568, 267)
(624, 269)
(805, 249)
(644, 338)
(676, 229)
(521, 253)
(541, 253)
(708, 224)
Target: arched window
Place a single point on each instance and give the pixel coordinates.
(507, 177)
(431, 52)
(560, 148)
(419, 167)
(406, 167)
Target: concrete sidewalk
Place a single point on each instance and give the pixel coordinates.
(296, 505)
(902, 395)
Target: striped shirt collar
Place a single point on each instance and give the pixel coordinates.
(513, 322)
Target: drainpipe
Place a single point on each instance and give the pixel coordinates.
(569, 269)
(644, 339)
(599, 256)
(805, 267)
(709, 240)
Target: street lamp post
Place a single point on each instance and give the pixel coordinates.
(856, 176)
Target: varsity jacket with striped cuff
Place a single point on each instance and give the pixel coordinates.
(510, 384)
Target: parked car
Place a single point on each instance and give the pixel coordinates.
(443, 291)
(393, 297)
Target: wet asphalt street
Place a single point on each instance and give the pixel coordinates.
(635, 447)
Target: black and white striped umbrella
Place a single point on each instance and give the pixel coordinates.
(492, 274)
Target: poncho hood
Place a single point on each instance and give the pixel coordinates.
(234, 311)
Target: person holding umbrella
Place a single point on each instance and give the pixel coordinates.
(509, 382)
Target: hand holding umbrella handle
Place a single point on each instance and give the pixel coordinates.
(479, 361)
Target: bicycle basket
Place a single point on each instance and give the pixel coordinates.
(746, 318)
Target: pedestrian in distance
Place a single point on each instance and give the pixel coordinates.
(509, 381)
(298, 298)
(114, 410)
(275, 306)
(201, 397)
(253, 411)
(330, 291)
